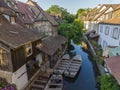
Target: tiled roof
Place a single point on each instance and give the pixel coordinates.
(118, 7)
(114, 6)
(95, 13)
(29, 15)
(14, 35)
(111, 21)
(51, 44)
(48, 17)
(99, 14)
(4, 9)
(113, 65)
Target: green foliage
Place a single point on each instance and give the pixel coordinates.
(107, 82)
(3, 82)
(71, 31)
(56, 10)
(95, 58)
(81, 12)
(69, 17)
(70, 27)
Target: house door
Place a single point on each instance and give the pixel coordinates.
(39, 59)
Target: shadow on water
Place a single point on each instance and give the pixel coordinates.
(85, 79)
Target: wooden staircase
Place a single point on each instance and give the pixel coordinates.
(40, 82)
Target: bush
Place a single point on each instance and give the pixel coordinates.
(107, 82)
(4, 85)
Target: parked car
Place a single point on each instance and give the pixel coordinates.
(106, 71)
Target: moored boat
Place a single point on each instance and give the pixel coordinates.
(55, 83)
(62, 65)
(66, 57)
(74, 67)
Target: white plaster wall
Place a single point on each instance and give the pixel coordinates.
(86, 24)
(20, 77)
(93, 26)
(108, 38)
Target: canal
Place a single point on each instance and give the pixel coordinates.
(85, 79)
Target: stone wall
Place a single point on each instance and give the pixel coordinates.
(6, 75)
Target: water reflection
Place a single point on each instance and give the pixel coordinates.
(85, 79)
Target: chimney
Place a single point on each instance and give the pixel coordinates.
(99, 5)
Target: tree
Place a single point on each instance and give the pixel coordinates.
(70, 27)
(71, 31)
(82, 13)
(56, 10)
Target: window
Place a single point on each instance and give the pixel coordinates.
(27, 25)
(115, 33)
(12, 20)
(104, 44)
(9, 4)
(16, 7)
(100, 40)
(107, 30)
(17, 14)
(4, 57)
(31, 18)
(7, 17)
(28, 49)
(29, 9)
(101, 29)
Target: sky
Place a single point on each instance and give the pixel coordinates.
(73, 5)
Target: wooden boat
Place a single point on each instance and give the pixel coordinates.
(55, 83)
(74, 66)
(62, 65)
(66, 57)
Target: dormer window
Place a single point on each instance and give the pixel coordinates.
(28, 49)
(29, 9)
(23, 16)
(9, 4)
(12, 20)
(17, 14)
(31, 18)
(27, 26)
(16, 7)
(7, 17)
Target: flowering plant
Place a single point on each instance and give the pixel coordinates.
(10, 87)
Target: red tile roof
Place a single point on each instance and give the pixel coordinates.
(111, 21)
(113, 65)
